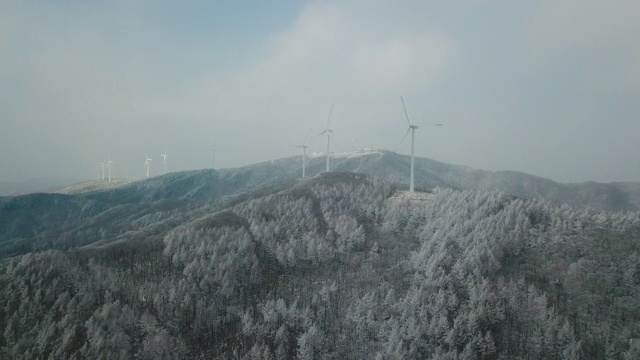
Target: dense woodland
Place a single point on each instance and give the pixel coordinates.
(339, 266)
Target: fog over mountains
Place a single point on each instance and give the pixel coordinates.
(258, 263)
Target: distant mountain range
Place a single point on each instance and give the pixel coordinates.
(39, 184)
(387, 165)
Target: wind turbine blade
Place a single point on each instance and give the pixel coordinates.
(304, 142)
(332, 139)
(405, 135)
(405, 111)
(322, 133)
(330, 112)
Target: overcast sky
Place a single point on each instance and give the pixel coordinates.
(550, 88)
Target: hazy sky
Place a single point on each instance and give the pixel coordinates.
(550, 88)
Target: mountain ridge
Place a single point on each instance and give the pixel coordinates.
(614, 196)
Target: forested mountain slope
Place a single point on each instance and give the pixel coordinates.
(36, 222)
(333, 267)
(429, 173)
(60, 221)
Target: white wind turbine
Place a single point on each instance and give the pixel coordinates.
(164, 160)
(304, 153)
(411, 128)
(98, 171)
(109, 166)
(328, 131)
(147, 164)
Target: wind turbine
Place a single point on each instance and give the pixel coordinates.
(304, 153)
(328, 131)
(164, 159)
(411, 128)
(147, 164)
(98, 171)
(109, 166)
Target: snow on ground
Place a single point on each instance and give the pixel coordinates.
(406, 195)
(91, 185)
(346, 155)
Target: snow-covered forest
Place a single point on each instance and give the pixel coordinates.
(336, 267)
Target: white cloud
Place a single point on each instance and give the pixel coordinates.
(578, 25)
(335, 53)
(331, 54)
(598, 37)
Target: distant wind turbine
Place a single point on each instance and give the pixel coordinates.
(164, 159)
(98, 171)
(109, 166)
(304, 153)
(328, 131)
(147, 164)
(411, 128)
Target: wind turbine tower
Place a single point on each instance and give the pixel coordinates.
(164, 160)
(304, 153)
(328, 131)
(109, 166)
(412, 128)
(147, 164)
